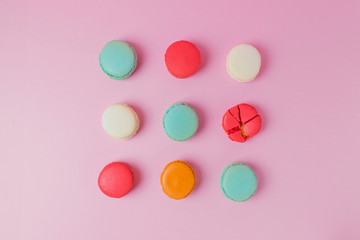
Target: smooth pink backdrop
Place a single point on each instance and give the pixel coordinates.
(53, 93)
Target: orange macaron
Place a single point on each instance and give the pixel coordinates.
(178, 179)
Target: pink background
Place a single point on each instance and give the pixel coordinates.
(53, 93)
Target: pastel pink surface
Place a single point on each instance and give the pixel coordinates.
(53, 93)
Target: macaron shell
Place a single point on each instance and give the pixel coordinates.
(118, 59)
(182, 59)
(235, 112)
(243, 62)
(229, 122)
(116, 180)
(180, 122)
(178, 179)
(247, 112)
(120, 121)
(238, 182)
(253, 127)
(237, 137)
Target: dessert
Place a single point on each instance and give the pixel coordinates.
(238, 182)
(180, 122)
(116, 180)
(120, 121)
(178, 179)
(241, 122)
(243, 63)
(182, 59)
(118, 59)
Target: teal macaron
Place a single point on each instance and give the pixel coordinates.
(238, 182)
(118, 59)
(180, 122)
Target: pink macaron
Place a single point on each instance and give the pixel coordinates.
(116, 180)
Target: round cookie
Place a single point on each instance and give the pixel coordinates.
(118, 59)
(178, 179)
(116, 180)
(241, 122)
(182, 59)
(238, 182)
(120, 121)
(180, 122)
(243, 62)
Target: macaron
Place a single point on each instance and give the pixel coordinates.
(238, 182)
(116, 180)
(243, 63)
(180, 122)
(241, 122)
(118, 59)
(182, 59)
(120, 121)
(178, 179)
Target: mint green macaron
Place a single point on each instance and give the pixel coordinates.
(180, 122)
(238, 182)
(118, 59)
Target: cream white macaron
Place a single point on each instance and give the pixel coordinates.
(120, 121)
(243, 62)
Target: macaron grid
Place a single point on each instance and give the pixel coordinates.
(149, 138)
(238, 182)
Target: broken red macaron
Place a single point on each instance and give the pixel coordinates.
(241, 122)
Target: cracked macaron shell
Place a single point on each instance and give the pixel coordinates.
(241, 122)
(118, 59)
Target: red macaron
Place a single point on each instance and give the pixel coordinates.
(116, 180)
(182, 59)
(241, 122)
